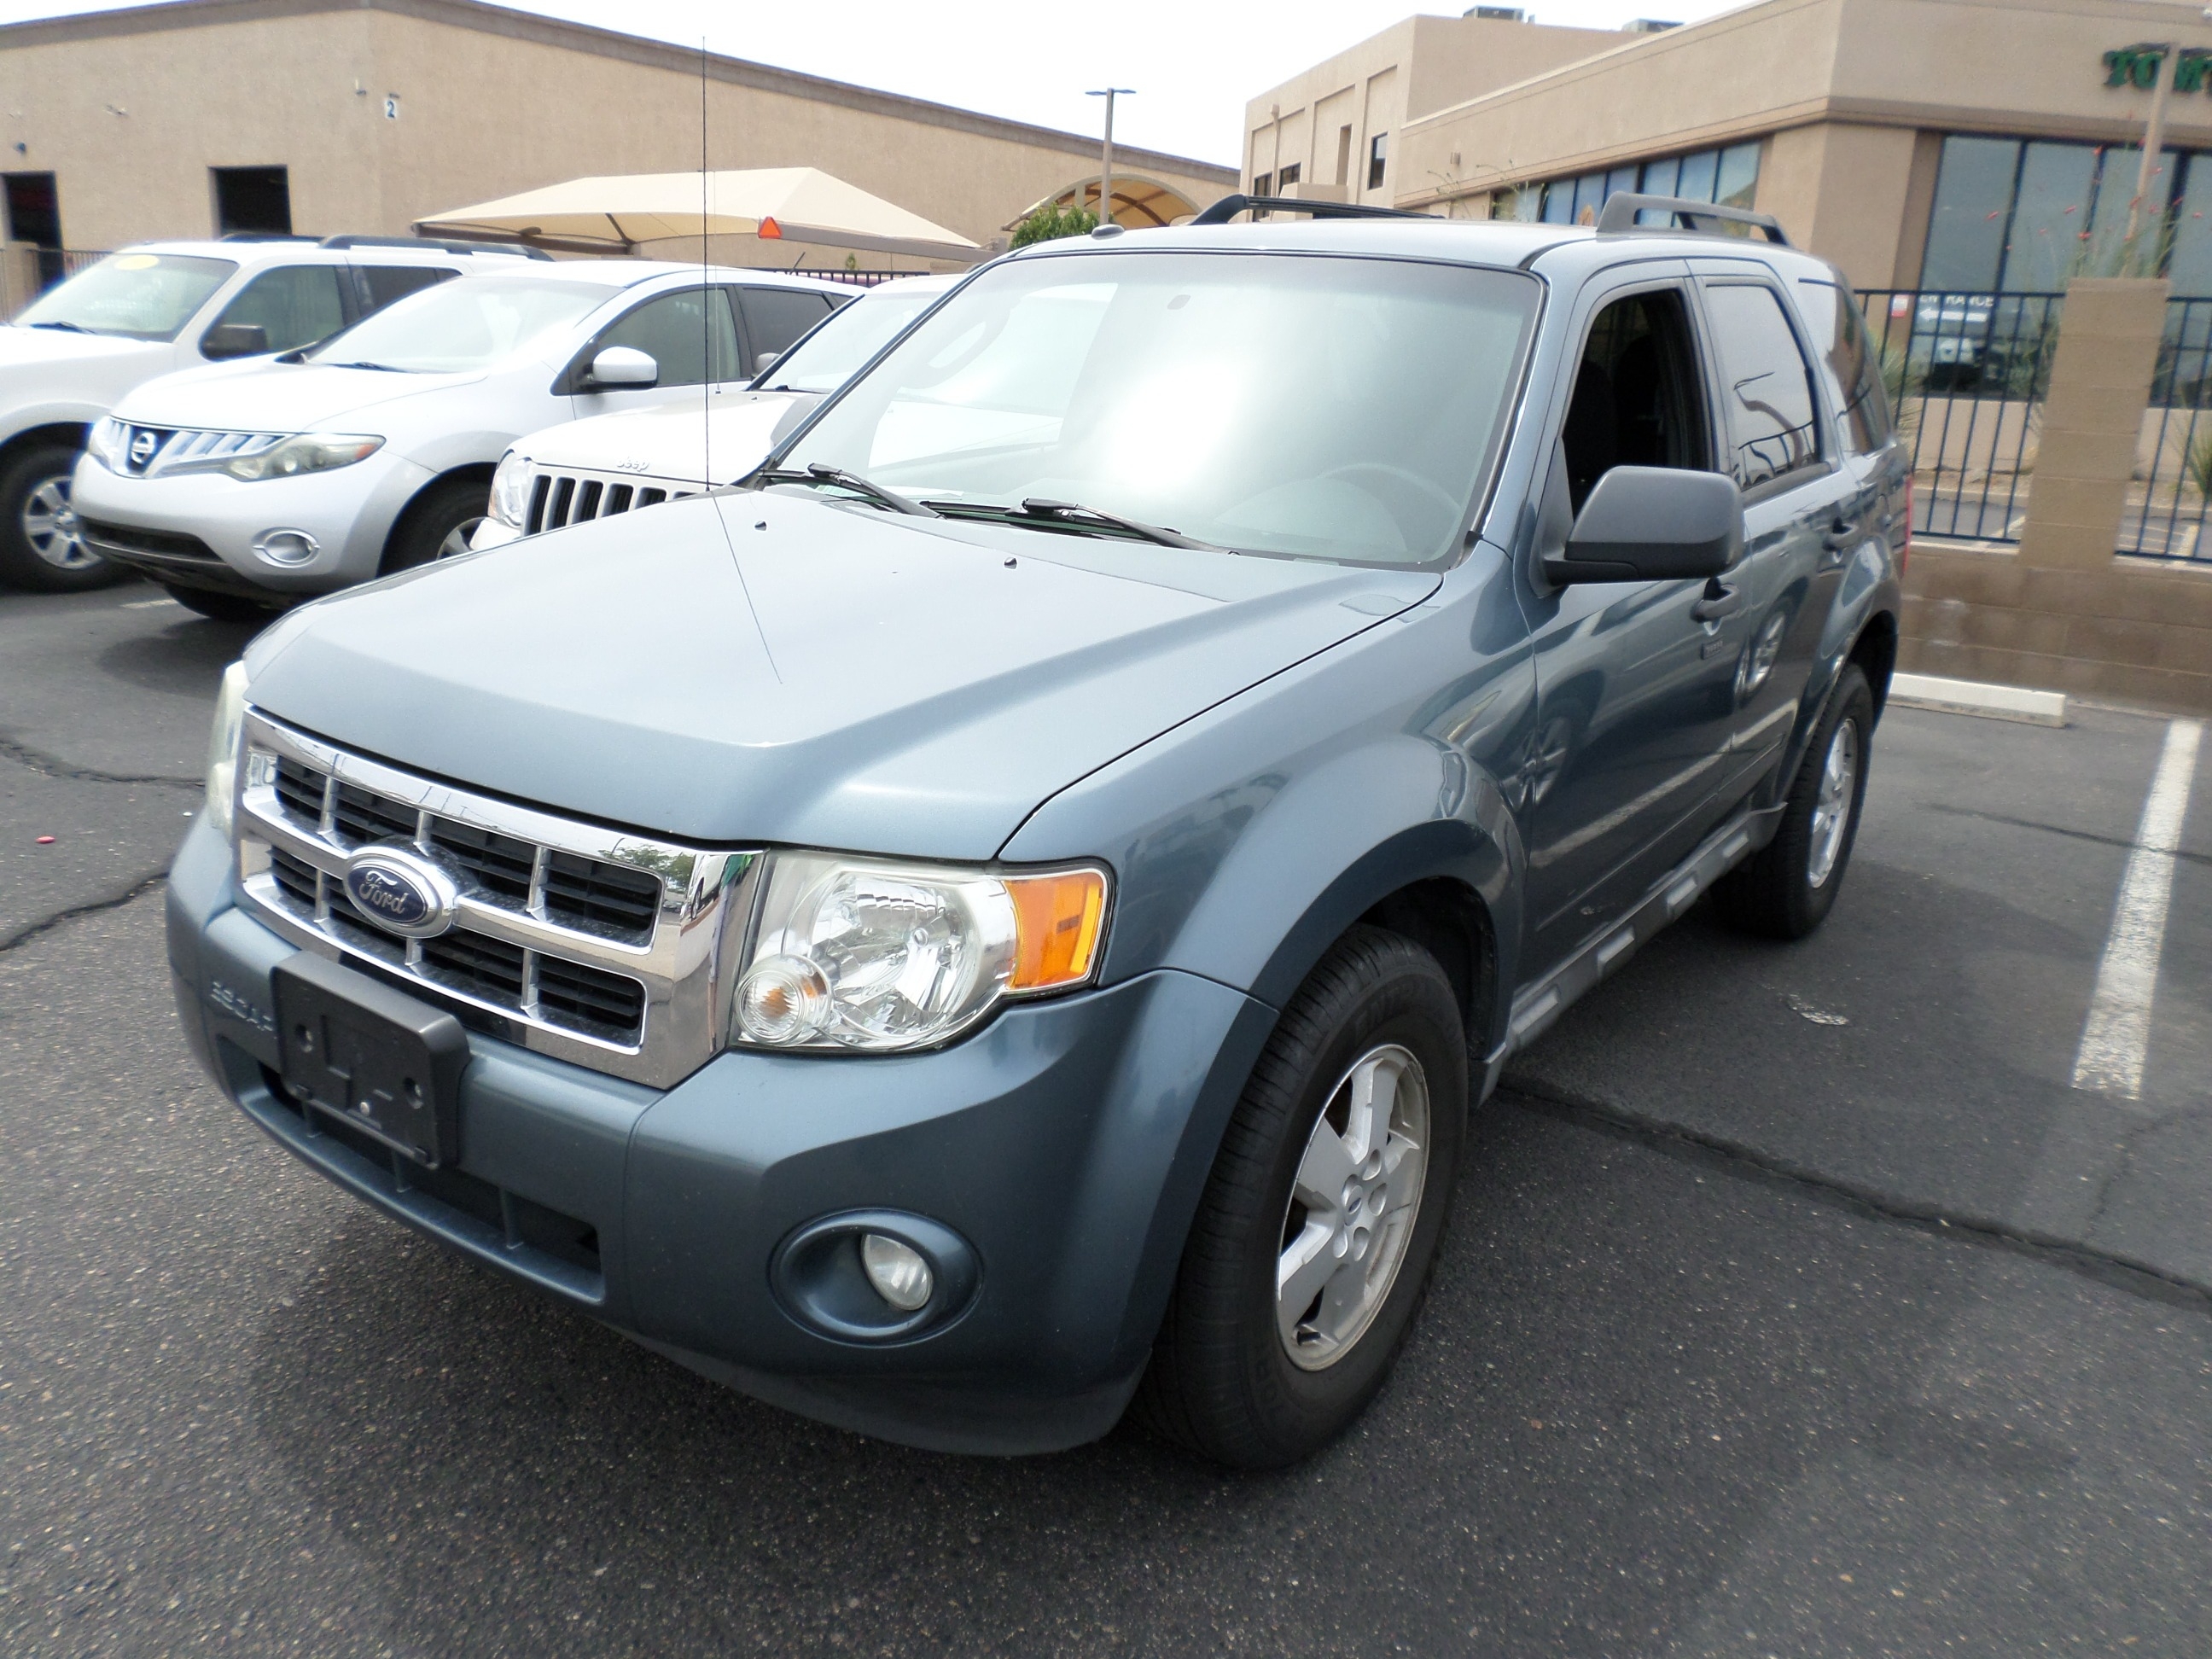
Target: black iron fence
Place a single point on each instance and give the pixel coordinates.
(1966, 376)
(2167, 505)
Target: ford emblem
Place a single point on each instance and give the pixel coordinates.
(401, 891)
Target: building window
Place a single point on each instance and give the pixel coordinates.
(1728, 177)
(2024, 216)
(1263, 183)
(1344, 155)
(34, 216)
(1287, 177)
(252, 199)
(1378, 153)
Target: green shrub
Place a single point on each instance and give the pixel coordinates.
(1050, 223)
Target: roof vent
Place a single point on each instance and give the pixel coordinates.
(1497, 14)
(1649, 26)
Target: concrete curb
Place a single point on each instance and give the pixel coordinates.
(2001, 702)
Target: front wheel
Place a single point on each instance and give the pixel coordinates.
(438, 524)
(1788, 890)
(1311, 1248)
(39, 546)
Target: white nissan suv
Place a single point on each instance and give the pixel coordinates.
(243, 486)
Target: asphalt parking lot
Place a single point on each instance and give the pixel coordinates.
(1796, 1303)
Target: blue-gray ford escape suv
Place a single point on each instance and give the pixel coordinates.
(1006, 914)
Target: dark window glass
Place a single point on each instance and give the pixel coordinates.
(1768, 388)
(690, 335)
(1967, 230)
(1840, 336)
(2051, 220)
(390, 283)
(252, 199)
(1263, 183)
(1289, 175)
(1636, 400)
(1378, 155)
(775, 317)
(293, 305)
(34, 209)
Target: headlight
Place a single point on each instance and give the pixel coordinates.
(308, 452)
(222, 746)
(510, 490)
(106, 442)
(877, 955)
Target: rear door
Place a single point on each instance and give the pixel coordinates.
(774, 317)
(377, 286)
(1798, 506)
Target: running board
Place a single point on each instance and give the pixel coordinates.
(1537, 1005)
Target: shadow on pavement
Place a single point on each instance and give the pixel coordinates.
(188, 657)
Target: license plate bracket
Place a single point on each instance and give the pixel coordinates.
(388, 1065)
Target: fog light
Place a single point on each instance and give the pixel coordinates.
(897, 1271)
(285, 548)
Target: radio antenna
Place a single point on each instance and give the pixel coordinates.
(706, 299)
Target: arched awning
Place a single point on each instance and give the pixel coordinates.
(1139, 201)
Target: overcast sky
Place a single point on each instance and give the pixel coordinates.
(1193, 63)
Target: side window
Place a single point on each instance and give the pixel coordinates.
(1840, 334)
(293, 305)
(1636, 399)
(1768, 387)
(691, 334)
(775, 317)
(385, 283)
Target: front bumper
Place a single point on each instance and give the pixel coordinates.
(198, 530)
(1067, 1143)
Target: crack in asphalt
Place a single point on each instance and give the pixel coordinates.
(138, 889)
(2127, 842)
(1747, 1162)
(53, 766)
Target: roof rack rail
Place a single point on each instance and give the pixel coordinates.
(1619, 214)
(1229, 206)
(444, 244)
(262, 236)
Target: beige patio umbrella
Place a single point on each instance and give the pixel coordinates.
(615, 214)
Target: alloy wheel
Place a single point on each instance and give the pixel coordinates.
(50, 526)
(1832, 807)
(1353, 1207)
(457, 539)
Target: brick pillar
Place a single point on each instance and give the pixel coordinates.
(2093, 416)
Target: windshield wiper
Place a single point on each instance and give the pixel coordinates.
(74, 328)
(820, 473)
(1074, 517)
(381, 368)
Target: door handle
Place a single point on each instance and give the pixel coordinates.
(1720, 600)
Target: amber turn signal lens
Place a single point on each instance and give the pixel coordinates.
(1056, 925)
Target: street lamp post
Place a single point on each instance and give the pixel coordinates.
(1106, 156)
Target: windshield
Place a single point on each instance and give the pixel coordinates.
(1304, 405)
(828, 357)
(458, 326)
(141, 296)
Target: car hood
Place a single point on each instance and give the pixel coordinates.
(41, 348)
(815, 673)
(674, 441)
(260, 395)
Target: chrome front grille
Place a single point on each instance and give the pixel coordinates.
(567, 497)
(148, 450)
(594, 945)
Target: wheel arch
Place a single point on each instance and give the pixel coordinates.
(403, 521)
(71, 434)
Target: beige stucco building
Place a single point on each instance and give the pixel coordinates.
(1967, 144)
(171, 120)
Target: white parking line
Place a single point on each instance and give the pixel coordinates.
(148, 604)
(2110, 1057)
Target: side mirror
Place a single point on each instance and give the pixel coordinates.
(235, 340)
(765, 362)
(623, 366)
(1645, 524)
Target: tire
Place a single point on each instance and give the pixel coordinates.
(436, 524)
(1789, 888)
(221, 607)
(1235, 1377)
(39, 545)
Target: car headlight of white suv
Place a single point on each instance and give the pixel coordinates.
(307, 451)
(510, 490)
(881, 955)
